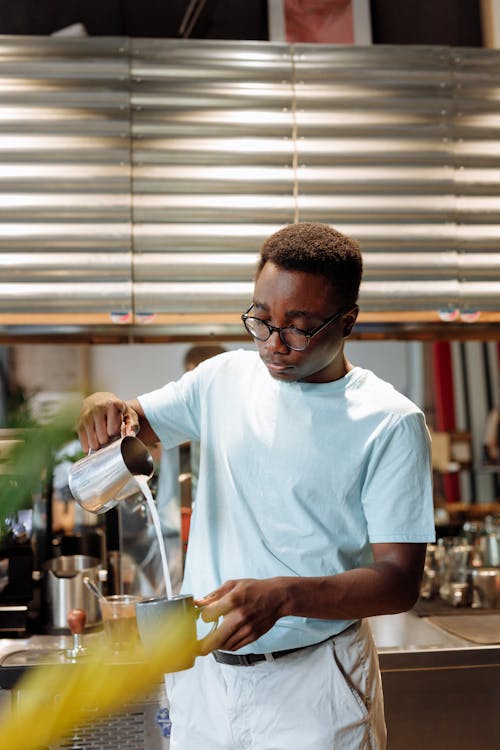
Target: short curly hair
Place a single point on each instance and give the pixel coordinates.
(320, 249)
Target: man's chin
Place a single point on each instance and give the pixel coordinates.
(279, 372)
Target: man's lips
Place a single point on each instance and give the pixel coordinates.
(277, 366)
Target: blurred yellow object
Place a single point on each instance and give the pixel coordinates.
(101, 681)
(57, 697)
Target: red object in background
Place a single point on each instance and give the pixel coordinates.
(324, 21)
(185, 524)
(444, 398)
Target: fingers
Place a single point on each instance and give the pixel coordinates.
(87, 436)
(82, 437)
(215, 596)
(101, 418)
(212, 607)
(98, 427)
(230, 635)
(213, 612)
(107, 423)
(235, 629)
(129, 424)
(222, 610)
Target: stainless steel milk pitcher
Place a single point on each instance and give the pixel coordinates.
(100, 480)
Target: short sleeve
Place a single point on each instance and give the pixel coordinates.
(397, 489)
(173, 411)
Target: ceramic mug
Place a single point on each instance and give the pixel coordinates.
(173, 622)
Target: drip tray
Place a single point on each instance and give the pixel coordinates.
(14, 665)
(484, 630)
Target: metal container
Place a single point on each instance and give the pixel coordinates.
(486, 583)
(485, 536)
(100, 480)
(489, 549)
(64, 590)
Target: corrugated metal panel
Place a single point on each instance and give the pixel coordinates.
(145, 174)
(371, 140)
(65, 203)
(384, 154)
(476, 137)
(213, 175)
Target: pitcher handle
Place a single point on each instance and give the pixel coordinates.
(113, 439)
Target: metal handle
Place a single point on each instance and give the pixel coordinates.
(76, 621)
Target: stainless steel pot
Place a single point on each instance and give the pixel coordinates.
(64, 590)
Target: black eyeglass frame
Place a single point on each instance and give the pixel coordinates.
(308, 334)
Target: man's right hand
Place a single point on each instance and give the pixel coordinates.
(104, 416)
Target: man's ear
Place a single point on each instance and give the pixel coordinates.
(349, 319)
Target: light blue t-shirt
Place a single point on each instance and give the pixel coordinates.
(296, 479)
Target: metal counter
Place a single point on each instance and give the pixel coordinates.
(442, 692)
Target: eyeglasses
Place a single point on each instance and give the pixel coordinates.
(293, 338)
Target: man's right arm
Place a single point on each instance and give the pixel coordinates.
(104, 416)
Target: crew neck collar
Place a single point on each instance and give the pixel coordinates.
(331, 386)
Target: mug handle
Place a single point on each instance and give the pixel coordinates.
(215, 622)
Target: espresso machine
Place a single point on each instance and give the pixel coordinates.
(17, 551)
(43, 559)
(16, 576)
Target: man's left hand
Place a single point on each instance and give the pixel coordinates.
(249, 608)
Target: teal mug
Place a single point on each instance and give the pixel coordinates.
(167, 629)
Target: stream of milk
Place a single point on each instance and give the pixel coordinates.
(142, 481)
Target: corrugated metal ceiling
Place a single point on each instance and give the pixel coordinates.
(139, 177)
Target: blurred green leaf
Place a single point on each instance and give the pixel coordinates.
(27, 466)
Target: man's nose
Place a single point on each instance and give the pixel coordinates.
(275, 344)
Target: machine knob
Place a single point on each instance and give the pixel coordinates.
(76, 621)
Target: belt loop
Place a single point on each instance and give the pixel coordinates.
(269, 658)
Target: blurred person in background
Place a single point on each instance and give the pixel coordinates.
(170, 463)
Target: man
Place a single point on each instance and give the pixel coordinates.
(313, 511)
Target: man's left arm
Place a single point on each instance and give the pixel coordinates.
(251, 607)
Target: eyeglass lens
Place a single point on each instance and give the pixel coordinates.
(290, 336)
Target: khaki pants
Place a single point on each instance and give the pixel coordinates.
(326, 697)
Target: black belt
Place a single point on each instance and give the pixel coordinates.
(247, 660)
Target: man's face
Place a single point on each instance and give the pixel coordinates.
(304, 300)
